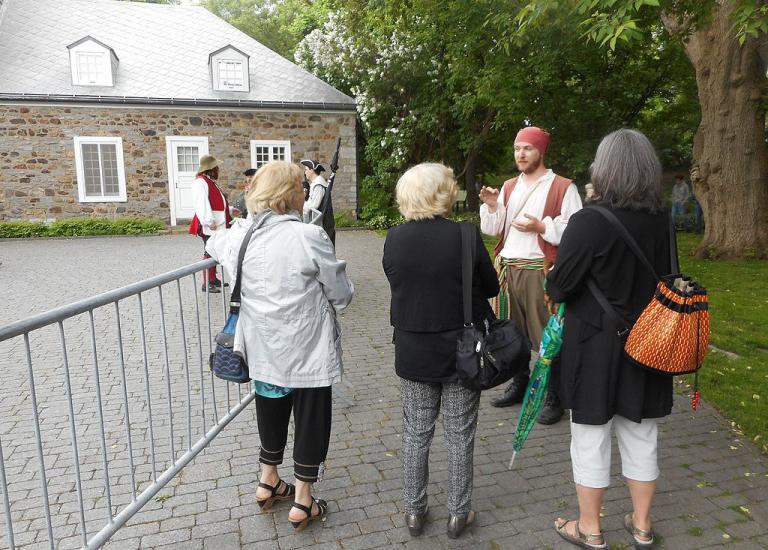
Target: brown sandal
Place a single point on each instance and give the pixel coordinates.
(647, 536)
(594, 541)
(287, 493)
(322, 511)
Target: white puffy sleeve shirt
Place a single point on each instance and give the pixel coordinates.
(518, 244)
(203, 207)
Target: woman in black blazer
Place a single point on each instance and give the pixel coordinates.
(602, 388)
(422, 260)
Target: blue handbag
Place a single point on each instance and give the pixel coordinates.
(225, 362)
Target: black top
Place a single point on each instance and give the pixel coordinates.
(422, 260)
(597, 380)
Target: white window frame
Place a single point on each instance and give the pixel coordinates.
(271, 144)
(241, 69)
(102, 59)
(87, 140)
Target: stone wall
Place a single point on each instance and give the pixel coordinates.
(38, 178)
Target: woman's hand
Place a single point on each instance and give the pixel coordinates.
(552, 306)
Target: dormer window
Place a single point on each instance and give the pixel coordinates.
(230, 74)
(229, 70)
(91, 69)
(92, 63)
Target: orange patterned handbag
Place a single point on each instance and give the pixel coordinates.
(671, 336)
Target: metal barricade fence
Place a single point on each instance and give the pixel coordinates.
(103, 402)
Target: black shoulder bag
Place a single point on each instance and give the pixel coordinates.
(489, 357)
(224, 361)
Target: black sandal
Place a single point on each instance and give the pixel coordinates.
(288, 492)
(299, 526)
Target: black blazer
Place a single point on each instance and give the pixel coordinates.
(422, 260)
(597, 380)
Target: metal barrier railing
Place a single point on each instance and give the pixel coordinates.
(137, 383)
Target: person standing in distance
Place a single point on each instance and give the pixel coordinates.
(529, 217)
(212, 213)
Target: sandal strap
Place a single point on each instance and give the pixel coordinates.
(306, 509)
(269, 487)
(637, 532)
(322, 508)
(288, 489)
(593, 538)
(641, 532)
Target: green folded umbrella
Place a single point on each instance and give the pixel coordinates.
(536, 392)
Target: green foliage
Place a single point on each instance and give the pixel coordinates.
(74, 227)
(750, 20)
(343, 219)
(280, 25)
(434, 81)
(384, 221)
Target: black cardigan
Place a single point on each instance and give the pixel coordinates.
(422, 260)
(597, 380)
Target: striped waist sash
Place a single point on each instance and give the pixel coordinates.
(500, 303)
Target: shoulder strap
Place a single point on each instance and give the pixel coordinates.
(631, 242)
(467, 231)
(234, 299)
(622, 327)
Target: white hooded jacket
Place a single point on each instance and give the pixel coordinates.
(292, 286)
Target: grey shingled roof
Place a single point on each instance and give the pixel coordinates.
(163, 52)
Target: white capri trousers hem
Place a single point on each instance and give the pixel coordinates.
(591, 451)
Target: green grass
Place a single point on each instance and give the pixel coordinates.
(74, 227)
(738, 305)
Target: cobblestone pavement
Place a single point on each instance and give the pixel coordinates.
(713, 491)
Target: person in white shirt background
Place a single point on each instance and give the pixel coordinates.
(317, 186)
(529, 217)
(212, 212)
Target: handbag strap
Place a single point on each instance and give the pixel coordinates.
(467, 231)
(631, 242)
(613, 315)
(234, 299)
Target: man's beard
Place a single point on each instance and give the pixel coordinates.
(533, 165)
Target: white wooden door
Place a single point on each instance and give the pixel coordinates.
(183, 160)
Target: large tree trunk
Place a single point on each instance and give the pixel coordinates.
(730, 158)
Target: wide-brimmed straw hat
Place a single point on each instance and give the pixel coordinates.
(207, 162)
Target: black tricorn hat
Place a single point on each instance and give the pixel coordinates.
(313, 165)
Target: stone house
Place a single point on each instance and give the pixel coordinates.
(106, 107)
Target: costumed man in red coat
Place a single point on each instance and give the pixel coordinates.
(212, 212)
(529, 217)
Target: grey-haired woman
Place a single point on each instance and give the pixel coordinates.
(603, 390)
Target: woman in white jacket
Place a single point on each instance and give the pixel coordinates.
(292, 285)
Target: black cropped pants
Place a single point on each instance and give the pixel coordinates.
(312, 429)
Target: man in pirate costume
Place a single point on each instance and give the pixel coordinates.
(318, 189)
(212, 212)
(529, 216)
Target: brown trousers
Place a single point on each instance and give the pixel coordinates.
(527, 307)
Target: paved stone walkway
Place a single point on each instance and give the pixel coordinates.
(713, 491)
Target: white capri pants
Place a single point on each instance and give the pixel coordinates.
(591, 451)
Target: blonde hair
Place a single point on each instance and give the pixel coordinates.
(277, 187)
(426, 190)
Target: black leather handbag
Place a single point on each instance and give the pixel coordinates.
(494, 353)
(225, 362)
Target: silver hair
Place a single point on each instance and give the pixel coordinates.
(626, 172)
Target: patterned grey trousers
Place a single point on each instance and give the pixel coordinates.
(421, 405)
